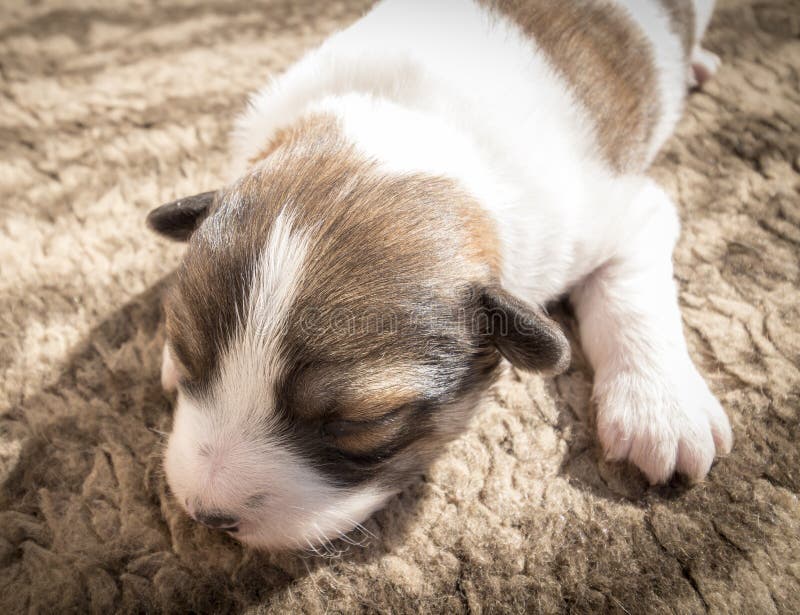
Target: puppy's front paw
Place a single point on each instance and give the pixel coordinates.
(661, 425)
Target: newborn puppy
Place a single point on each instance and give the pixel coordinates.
(409, 195)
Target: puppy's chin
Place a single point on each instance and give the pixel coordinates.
(278, 529)
(274, 499)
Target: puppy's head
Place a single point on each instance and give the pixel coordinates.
(330, 328)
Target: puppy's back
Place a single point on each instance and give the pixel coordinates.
(625, 62)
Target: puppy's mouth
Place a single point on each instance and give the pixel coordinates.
(215, 520)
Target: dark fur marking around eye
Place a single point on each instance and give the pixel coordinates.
(344, 427)
(412, 419)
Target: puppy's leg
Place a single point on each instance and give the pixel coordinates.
(653, 407)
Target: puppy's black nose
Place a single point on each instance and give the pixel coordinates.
(217, 520)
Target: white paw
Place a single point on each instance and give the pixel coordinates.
(704, 66)
(662, 425)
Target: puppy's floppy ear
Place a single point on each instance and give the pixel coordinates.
(522, 333)
(179, 219)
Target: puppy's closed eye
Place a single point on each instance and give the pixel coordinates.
(376, 437)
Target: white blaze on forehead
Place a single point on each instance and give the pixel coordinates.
(252, 363)
(225, 444)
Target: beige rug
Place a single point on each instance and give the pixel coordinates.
(107, 110)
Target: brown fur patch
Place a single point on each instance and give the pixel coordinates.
(481, 236)
(606, 60)
(274, 143)
(380, 389)
(682, 20)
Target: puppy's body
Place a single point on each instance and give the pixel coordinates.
(434, 160)
(468, 91)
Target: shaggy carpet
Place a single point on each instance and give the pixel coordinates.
(108, 109)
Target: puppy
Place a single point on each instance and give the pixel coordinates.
(408, 196)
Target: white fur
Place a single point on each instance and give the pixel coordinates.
(252, 363)
(243, 463)
(704, 66)
(445, 88)
(703, 10)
